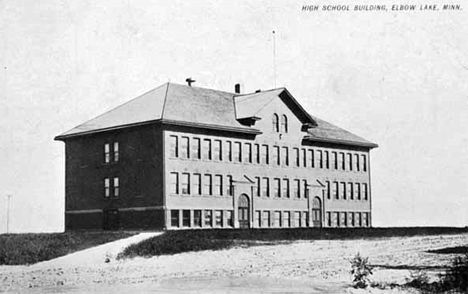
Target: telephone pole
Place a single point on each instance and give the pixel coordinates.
(8, 214)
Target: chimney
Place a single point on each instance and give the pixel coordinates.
(237, 88)
(190, 81)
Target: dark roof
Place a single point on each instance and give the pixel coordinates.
(179, 104)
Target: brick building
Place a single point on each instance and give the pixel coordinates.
(187, 157)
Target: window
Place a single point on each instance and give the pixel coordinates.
(287, 219)
(350, 191)
(319, 159)
(186, 218)
(335, 190)
(358, 219)
(116, 187)
(106, 187)
(336, 216)
(335, 160)
(304, 158)
(257, 190)
(297, 188)
(218, 185)
(196, 154)
(305, 188)
(174, 218)
(365, 219)
(351, 218)
(174, 183)
(237, 152)
(276, 188)
(311, 158)
(327, 160)
(285, 155)
(277, 219)
(328, 220)
(328, 190)
(265, 159)
(230, 221)
(258, 218)
(266, 219)
(284, 123)
(208, 218)
(344, 220)
(248, 153)
(285, 188)
(116, 151)
(343, 190)
(197, 218)
(356, 159)
(256, 153)
(218, 154)
(208, 185)
(297, 219)
(207, 149)
(350, 161)
(218, 218)
(364, 191)
(364, 163)
(266, 187)
(184, 147)
(275, 122)
(357, 187)
(296, 157)
(229, 151)
(304, 219)
(229, 187)
(342, 161)
(197, 184)
(106, 153)
(276, 156)
(174, 145)
(185, 184)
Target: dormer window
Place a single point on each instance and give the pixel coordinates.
(284, 123)
(275, 123)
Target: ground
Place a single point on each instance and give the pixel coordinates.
(298, 267)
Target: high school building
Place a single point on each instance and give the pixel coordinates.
(187, 157)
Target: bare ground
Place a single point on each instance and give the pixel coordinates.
(299, 267)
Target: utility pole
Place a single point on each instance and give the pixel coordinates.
(8, 214)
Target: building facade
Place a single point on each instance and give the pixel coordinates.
(187, 157)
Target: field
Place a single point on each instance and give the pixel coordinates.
(261, 261)
(16, 249)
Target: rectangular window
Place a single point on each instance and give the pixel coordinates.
(175, 218)
(197, 219)
(174, 145)
(357, 190)
(344, 220)
(285, 188)
(196, 148)
(229, 187)
(343, 190)
(116, 151)
(364, 191)
(218, 152)
(219, 218)
(350, 191)
(257, 190)
(364, 162)
(186, 218)
(365, 219)
(287, 219)
(358, 219)
(208, 218)
(256, 153)
(304, 219)
(328, 190)
(276, 188)
(116, 187)
(305, 189)
(266, 219)
(328, 220)
(350, 161)
(277, 219)
(258, 218)
(327, 160)
(335, 190)
(106, 153)
(229, 218)
(208, 185)
(319, 159)
(229, 151)
(336, 217)
(197, 184)
(304, 157)
(351, 218)
(106, 187)
(297, 219)
(285, 156)
(218, 185)
(185, 183)
(356, 159)
(207, 149)
(297, 188)
(248, 153)
(237, 152)
(311, 158)
(174, 183)
(265, 158)
(342, 161)
(335, 160)
(297, 160)
(276, 155)
(266, 187)
(184, 147)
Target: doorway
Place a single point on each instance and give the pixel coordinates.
(243, 212)
(317, 213)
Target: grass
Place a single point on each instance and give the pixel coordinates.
(19, 249)
(173, 242)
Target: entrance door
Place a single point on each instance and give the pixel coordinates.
(316, 212)
(243, 212)
(111, 219)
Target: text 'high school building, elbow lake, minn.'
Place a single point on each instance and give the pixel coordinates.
(182, 157)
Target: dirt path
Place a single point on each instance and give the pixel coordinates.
(303, 266)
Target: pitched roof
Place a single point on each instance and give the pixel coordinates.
(180, 104)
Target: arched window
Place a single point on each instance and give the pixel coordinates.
(275, 123)
(284, 123)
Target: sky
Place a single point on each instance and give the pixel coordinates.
(397, 78)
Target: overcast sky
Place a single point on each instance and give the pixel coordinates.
(395, 78)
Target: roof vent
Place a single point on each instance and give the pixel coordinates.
(237, 88)
(190, 81)
(258, 91)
